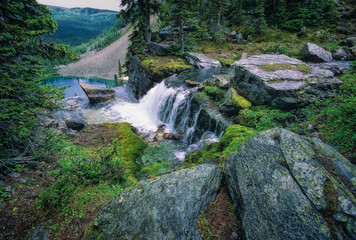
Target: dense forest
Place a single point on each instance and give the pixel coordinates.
(71, 175)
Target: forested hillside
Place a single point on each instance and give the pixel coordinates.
(77, 25)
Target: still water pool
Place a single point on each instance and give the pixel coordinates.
(74, 88)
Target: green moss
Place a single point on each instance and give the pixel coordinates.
(234, 137)
(277, 66)
(227, 62)
(238, 100)
(286, 66)
(155, 64)
(214, 92)
(331, 197)
(132, 146)
(304, 68)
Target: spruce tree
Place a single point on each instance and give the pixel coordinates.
(22, 24)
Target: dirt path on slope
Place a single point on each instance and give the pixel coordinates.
(104, 64)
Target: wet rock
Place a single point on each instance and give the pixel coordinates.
(295, 85)
(39, 233)
(284, 186)
(191, 83)
(75, 123)
(218, 81)
(314, 53)
(166, 207)
(201, 61)
(158, 49)
(233, 34)
(46, 121)
(97, 94)
(342, 55)
(166, 135)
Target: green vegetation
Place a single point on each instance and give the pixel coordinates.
(226, 62)
(234, 137)
(237, 100)
(21, 96)
(77, 25)
(215, 93)
(286, 66)
(158, 65)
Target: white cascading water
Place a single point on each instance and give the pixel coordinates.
(161, 105)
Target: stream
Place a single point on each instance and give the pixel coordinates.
(167, 108)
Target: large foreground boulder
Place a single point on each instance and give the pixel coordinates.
(165, 207)
(280, 81)
(314, 53)
(97, 94)
(201, 61)
(285, 186)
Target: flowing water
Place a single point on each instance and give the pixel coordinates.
(165, 106)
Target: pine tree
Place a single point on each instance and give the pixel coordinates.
(22, 96)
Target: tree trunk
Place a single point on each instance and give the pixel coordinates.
(147, 21)
(181, 37)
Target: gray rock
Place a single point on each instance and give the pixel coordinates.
(314, 53)
(201, 61)
(193, 84)
(239, 38)
(283, 89)
(218, 81)
(233, 34)
(39, 233)
(14, 174)
(349, 42)
(166, 207)
(97, 94)
(342, 55)
(157, 49)
(284, 185)
(337, 67)
(75, 123)
(22, 180)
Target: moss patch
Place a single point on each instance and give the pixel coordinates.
(286, 66)
(156, 65)
(227, 62)
(237, 100)
(132, 146)
(304, 68)
(214, 92)
(331, 197)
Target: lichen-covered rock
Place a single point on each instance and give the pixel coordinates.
(233, 103)
(280, 81)
(285, 186)
(166, 207)
(337, 67)
(97, 94)
(218, 81)
(39, 233)
(201, 61)
(314, 53)
(157, 49)
(342, 55)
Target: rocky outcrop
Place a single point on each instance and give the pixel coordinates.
(280, 81)
(165, 207)
(337, 67)
(201, 61)
(285, 186)
(39, 233)
(218, 81)
(140, 80)
(75, 123)
(349, 42)
(314, 53)
(97, 94)
(157, 49)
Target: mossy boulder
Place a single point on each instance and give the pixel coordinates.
(132, 146)
(233, 103)
(166, 207)
(285, 186)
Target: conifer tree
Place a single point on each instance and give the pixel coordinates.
(22, 24)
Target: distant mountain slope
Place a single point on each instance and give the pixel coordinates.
(103, 64)
(78, 25)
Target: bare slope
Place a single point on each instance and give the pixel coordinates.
(103, 64)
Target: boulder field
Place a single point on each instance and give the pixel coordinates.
(283, 186)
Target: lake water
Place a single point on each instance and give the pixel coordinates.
(74, 88)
